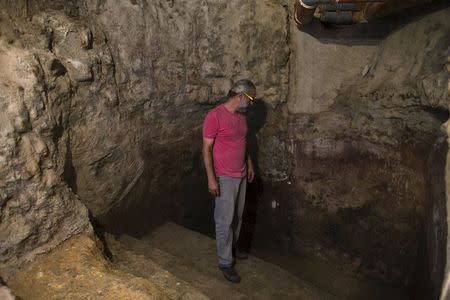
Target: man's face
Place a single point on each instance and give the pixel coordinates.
(246, 100)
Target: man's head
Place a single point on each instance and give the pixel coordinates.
(243, 92)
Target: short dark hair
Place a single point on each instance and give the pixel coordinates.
(243, 85)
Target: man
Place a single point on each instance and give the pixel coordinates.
(228, 167)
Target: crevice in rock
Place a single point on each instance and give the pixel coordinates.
(50, 39)
(69, 173)
(100, 233)
(57, 68)
(113, 65)
(441, 114)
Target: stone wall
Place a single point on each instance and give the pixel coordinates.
(362, 138)
(38, 209)
(172, 63)
(103, 102)
(446, 283)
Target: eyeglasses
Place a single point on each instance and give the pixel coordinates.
(250, 98)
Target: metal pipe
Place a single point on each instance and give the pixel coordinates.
(337, 17)
(318, 2)
(304, 9)
(303, 13)
(340, 7)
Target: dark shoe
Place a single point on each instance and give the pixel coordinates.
(230, 274)
(240, 254)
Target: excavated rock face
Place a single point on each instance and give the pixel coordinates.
(38, 210)
(445, 286)
(172, 62)
(103, 102)
(366, 184)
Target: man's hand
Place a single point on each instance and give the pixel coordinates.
(213, 187)
(250, 172)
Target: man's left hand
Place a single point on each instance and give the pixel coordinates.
(250, 173)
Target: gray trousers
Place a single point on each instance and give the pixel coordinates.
(228, 216)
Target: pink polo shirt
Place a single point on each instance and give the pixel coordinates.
(229, 131)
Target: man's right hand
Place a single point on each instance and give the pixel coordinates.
(213, 187)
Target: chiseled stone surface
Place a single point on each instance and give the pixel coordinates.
(446, 283)
(38, 210)
(364, 176)
(172, 62)
(103, 101)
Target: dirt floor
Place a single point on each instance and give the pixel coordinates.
(330, 277)
(77, 269)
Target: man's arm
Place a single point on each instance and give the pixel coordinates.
(250, 169)
(213, 185)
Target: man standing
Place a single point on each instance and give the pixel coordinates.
(228, 167)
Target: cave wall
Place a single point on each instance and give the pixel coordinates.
(446, 282)
(141, 77)
(104, 103)
(172, 63)
(363, 136)
(38, 209)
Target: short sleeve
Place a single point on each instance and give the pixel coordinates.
(211, 125)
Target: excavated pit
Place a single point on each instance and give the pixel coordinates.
(102, 107)
(385, 237)
(358, 190)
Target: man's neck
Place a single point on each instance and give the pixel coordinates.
(231, 105)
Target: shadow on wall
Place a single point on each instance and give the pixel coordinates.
(136, 213)
(256, 118)
(154, 192)
(432, 246)
(194, 210)
(381, 216)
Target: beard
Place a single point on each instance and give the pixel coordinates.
(241, 110)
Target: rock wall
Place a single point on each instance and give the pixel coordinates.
(172, 62)
(446, 283)
(363, 136)
(38, 209)
(103, 102)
